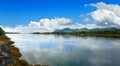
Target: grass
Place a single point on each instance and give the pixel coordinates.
(2, 43)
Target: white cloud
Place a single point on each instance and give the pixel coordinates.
(43, 25)
(48, 25)
(106, 14)
(86, 19)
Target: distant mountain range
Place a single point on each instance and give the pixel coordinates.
(97, 32)
(84, 29)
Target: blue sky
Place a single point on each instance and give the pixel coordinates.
(14, 12)
(49, 15)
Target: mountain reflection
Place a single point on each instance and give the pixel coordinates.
(58, 50)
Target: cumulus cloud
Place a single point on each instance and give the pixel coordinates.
(48, 25)
(86, 19)
(106, 14)
(43, 25)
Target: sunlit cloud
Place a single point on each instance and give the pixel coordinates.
(49, 25)
(66, 49)
(43, 25)
(106, 14)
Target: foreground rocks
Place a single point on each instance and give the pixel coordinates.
(9, 54)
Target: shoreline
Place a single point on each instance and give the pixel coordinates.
(9, 54)
(14, 54)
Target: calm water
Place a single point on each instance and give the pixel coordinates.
(57, 50)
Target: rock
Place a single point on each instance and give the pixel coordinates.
(37, 65)
(9, 54)
(15, 52)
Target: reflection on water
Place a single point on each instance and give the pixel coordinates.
(57, 50)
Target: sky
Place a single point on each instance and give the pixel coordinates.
(49, 15)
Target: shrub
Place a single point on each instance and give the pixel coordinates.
(1, 32)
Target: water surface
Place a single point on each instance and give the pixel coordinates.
(59, 50)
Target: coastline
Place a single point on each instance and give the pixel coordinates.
(9, 54)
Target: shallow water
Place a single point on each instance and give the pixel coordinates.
(59, 50)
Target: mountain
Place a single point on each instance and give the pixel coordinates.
(64, 30)
(85, 30)
(72, 30)
(112, 28)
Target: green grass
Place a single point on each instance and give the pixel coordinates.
(2, 43)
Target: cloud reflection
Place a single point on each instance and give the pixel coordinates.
(58, 50)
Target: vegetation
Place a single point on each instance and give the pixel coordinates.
(2, 32)
(9, 54)
(12, 33)
(1, 43)
(106, 32)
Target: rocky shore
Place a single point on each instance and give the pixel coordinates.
(9, 54)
